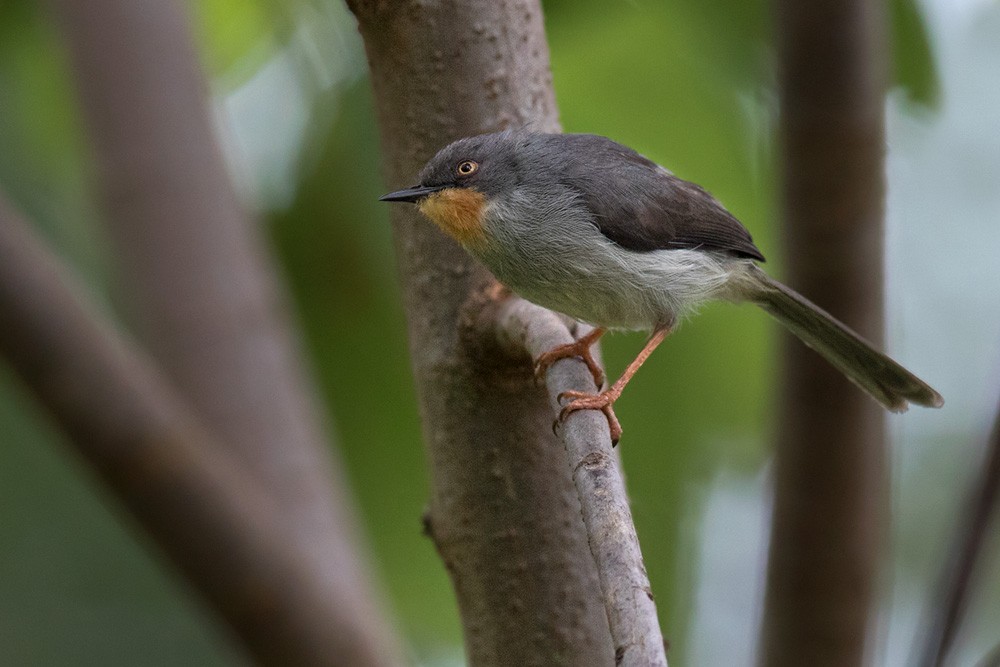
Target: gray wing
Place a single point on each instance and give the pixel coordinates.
(643, 207)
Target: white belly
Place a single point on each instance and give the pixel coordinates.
(554, 256)
(618, 288)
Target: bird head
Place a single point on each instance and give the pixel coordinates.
(457, 184)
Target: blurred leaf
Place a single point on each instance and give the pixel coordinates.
(913, 63)
(236, 36)
(43, 152)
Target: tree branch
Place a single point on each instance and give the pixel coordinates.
(945, 610)
(524, 328)
(829, 463)
(206, 296)
(192, 498)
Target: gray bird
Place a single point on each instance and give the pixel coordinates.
(590, 228)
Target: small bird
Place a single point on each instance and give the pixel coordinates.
(585, 226)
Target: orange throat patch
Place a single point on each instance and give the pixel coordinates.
(457, 211)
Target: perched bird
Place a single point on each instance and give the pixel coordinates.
(590, 228)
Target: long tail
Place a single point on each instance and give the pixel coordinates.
(886, 381)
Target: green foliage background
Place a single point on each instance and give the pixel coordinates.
(688, 83)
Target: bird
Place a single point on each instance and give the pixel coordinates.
(588, 227)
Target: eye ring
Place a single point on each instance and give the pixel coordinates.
(467, 168)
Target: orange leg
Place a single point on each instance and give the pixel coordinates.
(578, 348)
(606, 399)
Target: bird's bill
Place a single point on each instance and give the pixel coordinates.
(414, 194)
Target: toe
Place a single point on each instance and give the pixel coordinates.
(575, 395)
(579, 349)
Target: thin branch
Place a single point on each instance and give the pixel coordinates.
(945, 610)
(522, 327)
(194, 500)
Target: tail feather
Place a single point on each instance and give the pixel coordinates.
(882, 378)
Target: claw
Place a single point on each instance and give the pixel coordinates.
(605, 400)
(578, 348)
(584, 401)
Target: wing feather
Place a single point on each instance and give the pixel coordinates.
(642, 206)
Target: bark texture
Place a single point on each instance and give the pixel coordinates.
(198, 504)
(829, 465)
(206, 297)
(526, 329)
(504, 513)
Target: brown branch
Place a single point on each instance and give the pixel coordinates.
(524, 328)
(945, 610)
(197, 504)
(205, 294)
(504, 513)
(829, 464)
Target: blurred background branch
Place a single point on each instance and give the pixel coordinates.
(954, 587)
(205, 296)
(192, 497)
(194, 271)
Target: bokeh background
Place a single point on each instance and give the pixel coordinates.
(691, 84)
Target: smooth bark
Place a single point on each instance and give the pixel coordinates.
(504, 513)
(829, 503)
(192, 498)
(206, 296)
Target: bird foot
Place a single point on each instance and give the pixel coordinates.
(578, 348)
(584, 401)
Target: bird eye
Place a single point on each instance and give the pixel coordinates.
(467, 168)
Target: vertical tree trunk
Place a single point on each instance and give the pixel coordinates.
(829, 467)
(504, 513)
(206, 296)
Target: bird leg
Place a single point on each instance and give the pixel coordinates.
(605, 400)
(578, 348)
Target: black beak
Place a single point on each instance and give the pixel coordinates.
(414, 194)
